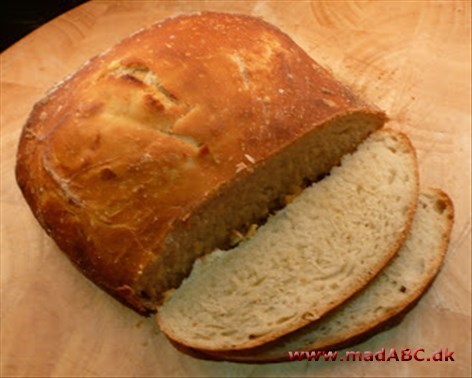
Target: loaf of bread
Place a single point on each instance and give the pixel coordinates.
(385, 300)
(155, 151)
(307, 259)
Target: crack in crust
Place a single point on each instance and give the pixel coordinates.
(158, 97)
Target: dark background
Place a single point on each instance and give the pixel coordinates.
(20, 17)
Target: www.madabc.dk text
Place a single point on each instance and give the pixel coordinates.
(405, 354)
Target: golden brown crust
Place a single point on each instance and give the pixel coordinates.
(149, 131)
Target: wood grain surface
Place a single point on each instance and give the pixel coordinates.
(413, 59)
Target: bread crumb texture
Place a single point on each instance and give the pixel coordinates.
(390, 294)
(307, 259)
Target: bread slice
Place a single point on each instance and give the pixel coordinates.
(155, 151)
(388, 297)
(307, 259)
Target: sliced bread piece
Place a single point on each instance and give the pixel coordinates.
(307, 259)
(388, 297)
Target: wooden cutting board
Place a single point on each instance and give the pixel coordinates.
(413, 59)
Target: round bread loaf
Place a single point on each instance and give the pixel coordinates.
(155, 151)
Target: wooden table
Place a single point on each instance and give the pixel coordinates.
(413, 59)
